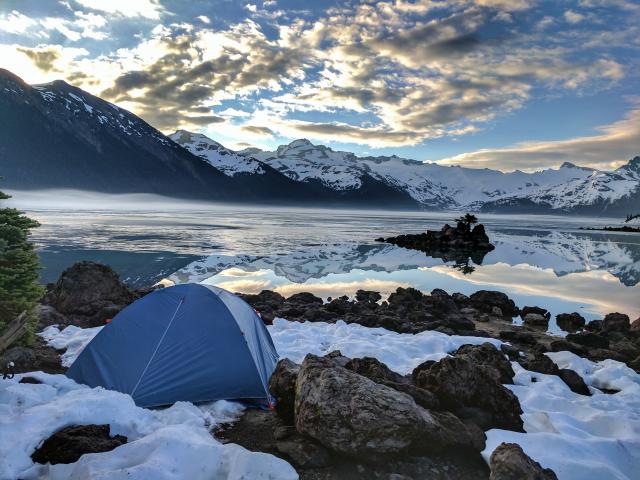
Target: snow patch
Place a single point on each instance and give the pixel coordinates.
(163, 444)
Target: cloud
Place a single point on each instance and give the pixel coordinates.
(151, 9)
(189, 70)
(260, 131)
(43, 58)
(15, 22)
(573, 17)
(613, 146)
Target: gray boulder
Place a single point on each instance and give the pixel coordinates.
(473, 392)
(536, 320)
(90, 293)
(380, 373)
(489, 356)
(509, 462)
(616, 322)
(355, 416)
(570, 322)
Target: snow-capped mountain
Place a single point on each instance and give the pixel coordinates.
(58, 136)
(227, 161)
(55, 135)
(568, 188)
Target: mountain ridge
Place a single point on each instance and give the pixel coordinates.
(56, 135)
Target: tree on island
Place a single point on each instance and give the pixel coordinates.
(20, 289)
(466, 221)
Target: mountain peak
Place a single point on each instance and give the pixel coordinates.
(568, 165)
(301, 142)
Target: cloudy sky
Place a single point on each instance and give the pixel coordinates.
(509, 84)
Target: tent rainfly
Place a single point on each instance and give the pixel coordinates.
(189, 342)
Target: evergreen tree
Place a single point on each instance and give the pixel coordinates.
(19, 266)
(467, 221)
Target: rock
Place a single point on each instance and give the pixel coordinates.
(635, 325)
(563, 345)
(282, 386)
(304, 453)
(30, 380)
(267, 303)
(380, 373)
(616, 322)
(570, 322)
(485, 300)
(488, 356)
(537, 310)
(588, 339)
(460, 385)
(47, 315)
(594, 326)
(540, 363)
(518, 336)
(510, 351)
(365, 296)
(635, 364)
(91, 291)
(574, 381)
(304, 298)
(358, 417)
(535, 320)
(36, 357)
(70, 443)
(509, 462)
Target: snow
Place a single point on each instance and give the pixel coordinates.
(401, 352)
(72, 339)
(163, 444)
(575, 435)
(451, 186)
(228, 162)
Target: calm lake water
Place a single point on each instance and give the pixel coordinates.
(538, 260)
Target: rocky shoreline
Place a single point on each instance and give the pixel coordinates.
(338, 417)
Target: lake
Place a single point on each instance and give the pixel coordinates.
(539, 260)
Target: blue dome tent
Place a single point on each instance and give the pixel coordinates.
(189, 342)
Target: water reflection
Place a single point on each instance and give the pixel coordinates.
(563, 272)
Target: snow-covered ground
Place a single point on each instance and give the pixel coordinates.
(579, 437)
(163, 444)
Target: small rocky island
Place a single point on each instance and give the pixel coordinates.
(457, 244)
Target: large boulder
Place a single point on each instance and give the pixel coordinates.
(70, 443)
(473, 392)
(89, 290)
(488, 356)
(537, 310)
(282, 386)
(377, 371)
(616, 322)
(509, 462)
(355, 416)
(485, 300)
(570, 322)
(540, 363)
(536, 320)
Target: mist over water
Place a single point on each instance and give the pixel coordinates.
(538, 260)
